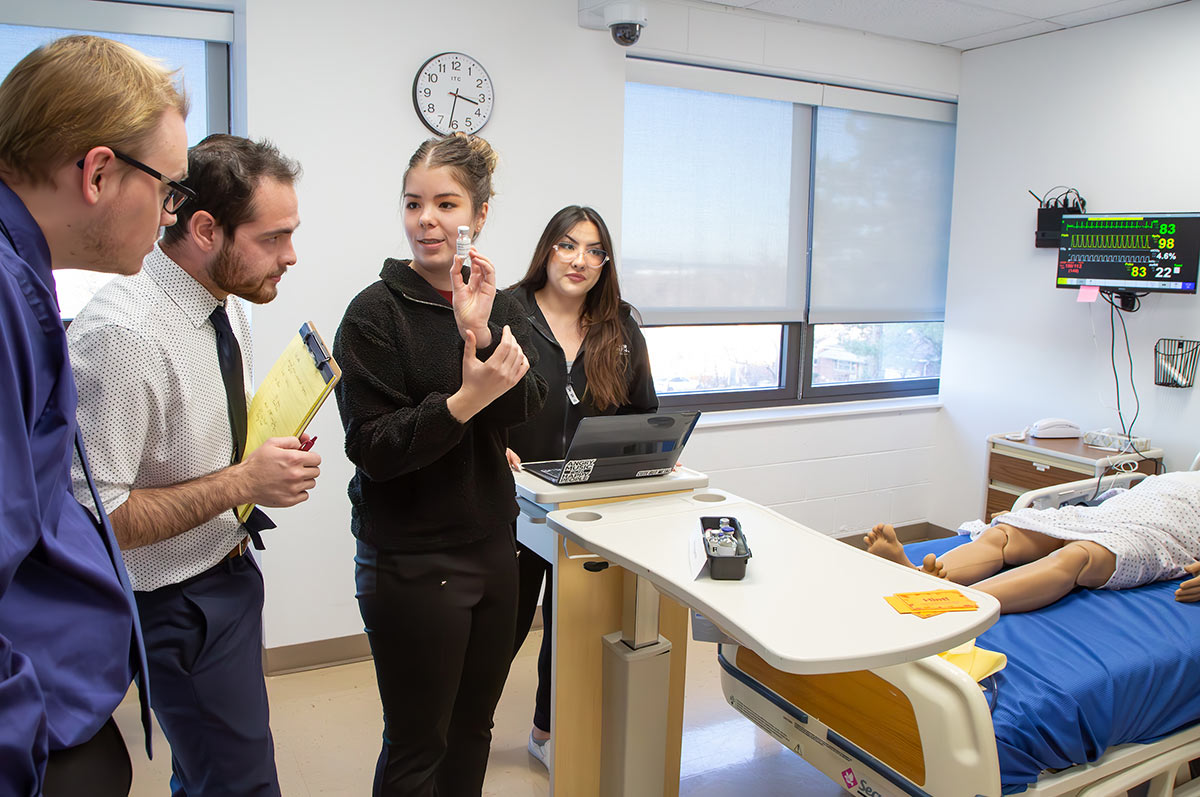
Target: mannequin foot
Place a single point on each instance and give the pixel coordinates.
(933, 566)
(882, 541)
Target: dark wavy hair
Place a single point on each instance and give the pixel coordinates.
(224, 171)
(605, 356)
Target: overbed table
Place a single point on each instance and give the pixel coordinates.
(809, 604)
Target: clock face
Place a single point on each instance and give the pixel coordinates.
(453, 92)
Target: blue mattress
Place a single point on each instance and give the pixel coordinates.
(1097, 669)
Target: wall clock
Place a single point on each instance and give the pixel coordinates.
(452, 92)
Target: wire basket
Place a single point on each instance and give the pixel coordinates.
(1175, 362)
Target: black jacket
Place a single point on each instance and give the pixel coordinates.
(422, 480)
(548, 434)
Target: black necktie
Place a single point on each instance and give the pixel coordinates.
(229, 354)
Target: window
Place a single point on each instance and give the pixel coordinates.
(784, 241)
(194, 42)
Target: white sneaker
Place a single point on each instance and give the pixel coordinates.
(539, 749)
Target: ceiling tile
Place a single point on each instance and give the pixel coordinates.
(933, 21)
(1005, 35)
(1111, 10)
(1037, 9)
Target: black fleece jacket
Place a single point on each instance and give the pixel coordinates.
(548, 434)
(423, 481)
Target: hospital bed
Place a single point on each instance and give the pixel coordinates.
(927, 728)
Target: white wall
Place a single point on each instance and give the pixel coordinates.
(1111, 109)
(331, 87)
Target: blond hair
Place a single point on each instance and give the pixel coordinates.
(76, 93)
(470, 159)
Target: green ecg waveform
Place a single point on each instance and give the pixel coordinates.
(1119, 241)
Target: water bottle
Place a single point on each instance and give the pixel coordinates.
(462, 246)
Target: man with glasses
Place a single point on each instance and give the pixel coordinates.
(69, 641)
(163, 365)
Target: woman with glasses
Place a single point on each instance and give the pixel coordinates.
(593, 358)
(434, 372)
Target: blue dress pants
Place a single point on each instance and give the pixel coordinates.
(204, 643)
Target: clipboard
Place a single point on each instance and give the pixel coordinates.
(294, 389)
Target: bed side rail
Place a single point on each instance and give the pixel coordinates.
(1059, 494)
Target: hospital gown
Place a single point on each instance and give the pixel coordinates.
(1153, 529)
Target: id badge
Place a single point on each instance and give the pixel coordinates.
(571, 394)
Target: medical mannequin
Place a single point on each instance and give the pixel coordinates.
(1147, 534)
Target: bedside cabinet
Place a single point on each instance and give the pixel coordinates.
(1015, 467)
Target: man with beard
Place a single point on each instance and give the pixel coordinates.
(92, 144)
(162, 361)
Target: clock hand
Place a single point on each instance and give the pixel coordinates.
(461, 97)
(453, 94)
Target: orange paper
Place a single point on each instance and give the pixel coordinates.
(931, 602)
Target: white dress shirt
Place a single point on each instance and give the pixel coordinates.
(152, 405)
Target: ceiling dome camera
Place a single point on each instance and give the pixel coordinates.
(625, 33)
(625, 22)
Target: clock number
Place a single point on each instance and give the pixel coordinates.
(453, 125)
(456, 65)
(431, 77)
(478, 82)
(430, 108)
(467, 121)
(441, 118)
(426, 91)
(479, 112)
(441, 67)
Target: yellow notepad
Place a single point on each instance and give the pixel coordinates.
(290, 396)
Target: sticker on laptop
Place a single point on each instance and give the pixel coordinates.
(576, 471)
(652, 472)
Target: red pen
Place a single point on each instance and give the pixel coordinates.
(309, 444)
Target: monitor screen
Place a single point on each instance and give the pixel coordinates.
(1130, 252)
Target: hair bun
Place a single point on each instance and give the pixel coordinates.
(480, 148)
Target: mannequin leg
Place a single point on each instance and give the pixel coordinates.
(1042, 582)
(999, 546)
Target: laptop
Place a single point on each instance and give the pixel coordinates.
(610, 447)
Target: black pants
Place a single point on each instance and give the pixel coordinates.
(204, 644)
(99, 767)
(440, 626)
(533, 569)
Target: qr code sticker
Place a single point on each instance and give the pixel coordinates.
(576, 471)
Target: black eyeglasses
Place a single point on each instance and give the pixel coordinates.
(176, 196)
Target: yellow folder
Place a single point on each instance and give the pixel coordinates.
(290, 396)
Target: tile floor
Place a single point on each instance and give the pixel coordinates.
(327, 726)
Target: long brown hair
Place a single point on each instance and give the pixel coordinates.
(606, 349)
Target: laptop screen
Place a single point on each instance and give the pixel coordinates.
(613, 436)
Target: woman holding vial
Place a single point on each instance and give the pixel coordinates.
(434, 371)
(593, 358)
